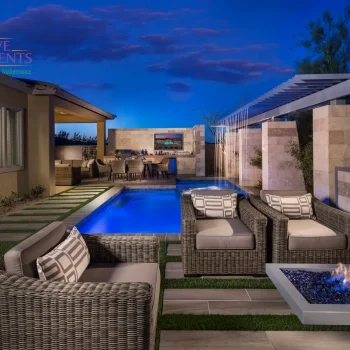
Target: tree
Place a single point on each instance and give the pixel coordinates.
(327, 45)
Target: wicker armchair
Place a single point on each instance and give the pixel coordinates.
(66, 175)
(103, 169)
(135, 168)
(118, 168)
(38, 314)
(223, 261)
(278, 236)
(163, 167)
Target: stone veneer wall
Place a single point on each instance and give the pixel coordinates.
(137, 139)
(249, 140)
(231, 162)
(343, 188)
(331, 148)
(279, 167)
(199, 149)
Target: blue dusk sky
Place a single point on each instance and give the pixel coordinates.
(161, 63)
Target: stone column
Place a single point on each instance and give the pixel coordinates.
(41, 143)
(249, 142)
(199, 149)
(101, 139)
(231, 159)
(279, 170)
(331, 148)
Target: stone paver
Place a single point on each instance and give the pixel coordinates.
(65, 200)
(214, 340)
(243, 340)
(174, 250)
(56, 205)
(29, 218)
(94, 193)
(174, 270)
(74, 195)
(19, 226)
(46, 211)
(206, 294)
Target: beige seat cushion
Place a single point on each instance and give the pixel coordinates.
(281, 193)
(223, 234)
(310, 234)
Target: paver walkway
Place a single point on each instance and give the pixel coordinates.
(235, 302)
(32, 218)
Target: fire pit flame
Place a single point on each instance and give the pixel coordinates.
(342, 273)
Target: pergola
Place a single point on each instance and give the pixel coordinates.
(300, 93)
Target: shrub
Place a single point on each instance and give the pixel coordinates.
(36, 191)
(257, 159)
(11, 201)
(303, 155)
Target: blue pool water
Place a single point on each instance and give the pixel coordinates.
(145, 211)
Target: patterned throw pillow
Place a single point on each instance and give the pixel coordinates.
(211, 206)
(294, 207)
(67, 261)
(90, 162)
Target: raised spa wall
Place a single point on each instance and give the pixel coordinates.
(143, 138)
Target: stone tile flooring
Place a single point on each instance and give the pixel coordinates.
(236, 302)
(32, 218)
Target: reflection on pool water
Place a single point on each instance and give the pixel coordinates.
(145, 211)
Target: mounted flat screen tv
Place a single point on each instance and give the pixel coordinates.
(168, 141)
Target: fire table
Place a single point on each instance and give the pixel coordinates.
(313, 291)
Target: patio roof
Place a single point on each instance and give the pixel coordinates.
(37, 87)
(302, 92)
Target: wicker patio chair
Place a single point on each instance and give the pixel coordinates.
(280, 246)
(223, 261)
(163, 167)
(66, 175)
(118, 168)
(103, 169)
(117, 309)
(135, 168)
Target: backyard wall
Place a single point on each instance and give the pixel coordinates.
(138, 139)
(69, 152)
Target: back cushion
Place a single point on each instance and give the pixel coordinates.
(70, 162)
(281, 193)
(77, 163)
(214, 204)
(21, 259)
(294, 207)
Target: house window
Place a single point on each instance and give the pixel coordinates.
(11, 139)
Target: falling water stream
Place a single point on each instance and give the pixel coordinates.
(227, 145)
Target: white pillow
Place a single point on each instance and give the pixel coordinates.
(90, 162)
(294, 207)
(215, 206)
(58, 161)
(84, 164)
(67, 261)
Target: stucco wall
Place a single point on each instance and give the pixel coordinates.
(14, 181)
(69, 152)
(343, 189)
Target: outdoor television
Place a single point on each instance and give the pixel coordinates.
(168, 141)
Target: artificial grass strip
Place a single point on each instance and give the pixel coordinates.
(187, 322)
(39, 214)
(24, 230)
(47, 208)
(5, 246)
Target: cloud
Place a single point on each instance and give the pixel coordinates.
(226, 71)
(179, 87)
(140, 16)
(206, 32)
(54, 32)
(216, 49)
(92, 86)
(163, 44)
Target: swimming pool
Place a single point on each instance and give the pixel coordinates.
(145, 211)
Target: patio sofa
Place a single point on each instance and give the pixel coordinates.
(66, 175)
(322, 239)
(113, 306)
(88, 168)
(223, 246)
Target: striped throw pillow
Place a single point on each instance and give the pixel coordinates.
(294, 207)
(211, 206)
(67, 261)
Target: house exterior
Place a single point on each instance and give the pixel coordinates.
(28, 112)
